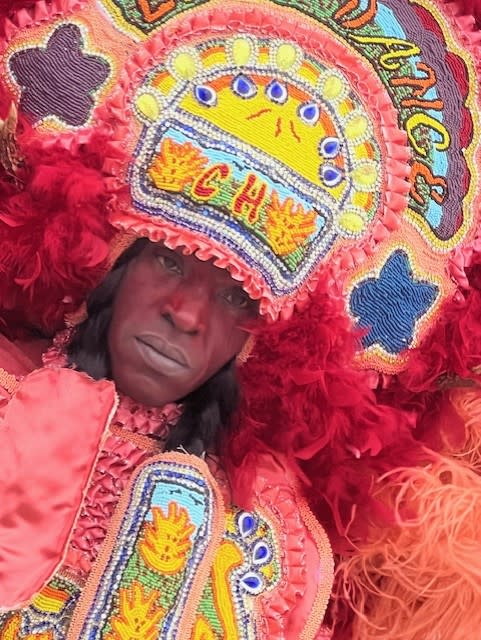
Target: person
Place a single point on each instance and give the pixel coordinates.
(165, 328)
(248, 232)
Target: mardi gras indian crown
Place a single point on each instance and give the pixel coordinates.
(283, 139)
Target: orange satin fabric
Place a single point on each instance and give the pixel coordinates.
(50, 434)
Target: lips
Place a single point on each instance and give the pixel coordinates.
(164, 350)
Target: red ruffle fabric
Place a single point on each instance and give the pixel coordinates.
(9, 7)
(471, 8)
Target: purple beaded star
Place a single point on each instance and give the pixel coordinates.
(59, 79)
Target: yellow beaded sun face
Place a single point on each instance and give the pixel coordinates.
(261, 147)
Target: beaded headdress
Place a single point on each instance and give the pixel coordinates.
(287, 140)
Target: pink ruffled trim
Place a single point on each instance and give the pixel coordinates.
(279, 502)
(137, 418)
(465, 28)
(118, 460)
(117, 112)
(114, 468)
(40, 12)
(276, 607)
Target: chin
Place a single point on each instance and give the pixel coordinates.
(146, 399)
(142, 390)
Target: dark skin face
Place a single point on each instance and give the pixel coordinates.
(176, 321)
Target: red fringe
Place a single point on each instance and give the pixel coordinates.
(11, 6)
(8, 9)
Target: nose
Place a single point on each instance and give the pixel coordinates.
(186, 309)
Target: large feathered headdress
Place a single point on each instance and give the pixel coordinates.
(326, 153)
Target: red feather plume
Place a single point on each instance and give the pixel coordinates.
(303, 396)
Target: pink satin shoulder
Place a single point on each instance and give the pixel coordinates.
(49, 442)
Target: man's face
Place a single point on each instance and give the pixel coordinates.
(176, 321)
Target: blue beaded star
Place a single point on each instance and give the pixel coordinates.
(389, 306)
(59, 79)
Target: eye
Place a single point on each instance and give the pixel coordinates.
(170, 262)
(237, 298)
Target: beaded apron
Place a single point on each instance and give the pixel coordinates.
(177, 563)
